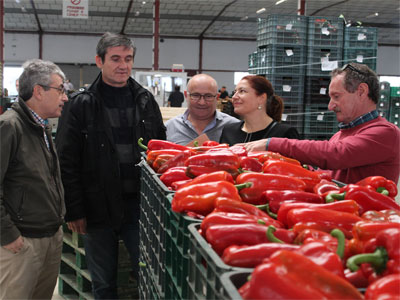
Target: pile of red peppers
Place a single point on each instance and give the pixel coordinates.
(304, 236)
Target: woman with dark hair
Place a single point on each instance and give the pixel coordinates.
(261, 111)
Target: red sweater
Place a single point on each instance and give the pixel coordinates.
(372, 148)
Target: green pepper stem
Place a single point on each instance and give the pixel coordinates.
(196, 143)
(243, 185)
(270, 235)
(142, 264)
(382, 190)
(334, 196)
(377, 260)
(337, 233)
(262, 222)
(265, 207)
(141, 145)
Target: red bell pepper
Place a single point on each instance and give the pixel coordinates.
(203, 149)
(386, 258)
(251, 256)
(348, 206)
(366, 198)
(222, 236)
(357, 278)
(380, 184)
(250, 164)
(285, 168)
(210, 143)
(291, 275)
(220, 159)
(160, 144)
(330, 219)
(386, 288)
(276, 156)
(386, 215)
(176, 161)
(174, 174)
(262, 182)
(256, 154)
(160, 160)
(214, 176)
(225, 204)
(325, 186)
(228, 218)
(200, 198)
(193, 171)
(152, 155)
(274, 198)
(178, 184)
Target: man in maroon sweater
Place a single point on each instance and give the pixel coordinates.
(366, 143)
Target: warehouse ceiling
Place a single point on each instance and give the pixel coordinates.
(214, 19)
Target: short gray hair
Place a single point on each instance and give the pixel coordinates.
(109, 40)
(355, 74)
(36, 72)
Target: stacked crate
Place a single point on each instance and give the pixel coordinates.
(384, 99)
(394, 112)
(74, 280)
(360, 45)
(281, 53)
(325, 44)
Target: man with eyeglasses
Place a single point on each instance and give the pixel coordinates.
(202, 116)
(366, 144)
(31, 193)
(97, 143)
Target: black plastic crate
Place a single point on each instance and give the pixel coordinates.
(360, 37)
(231, 283)
(321, 60)
(361, 55)
(325, 31)
(290, 88)
(318, 120)
(285, 60)
(282, 29)
(317, 90)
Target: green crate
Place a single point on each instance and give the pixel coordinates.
(395, 91)
(148, 286)
(325, 32)
(285, 59)
(231, 282)
(360, 37)
(384, 86)
(205, 268)
(317, 120)
(177, 247)
(367, 56)
(316, 57)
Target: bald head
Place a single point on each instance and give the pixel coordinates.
(203, 80)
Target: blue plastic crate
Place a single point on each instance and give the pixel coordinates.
(361, 55)
(289, 87)
(360, 37)
(282, 29)
(319, 59)
(325, 32)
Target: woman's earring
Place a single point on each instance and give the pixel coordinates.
(259, 106)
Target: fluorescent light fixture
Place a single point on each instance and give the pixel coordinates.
(244, 18)
(279, 2)
(261, 10)
(143, 2)
(17, 1)
(373, 15)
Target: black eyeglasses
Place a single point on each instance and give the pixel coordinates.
(354, 69)
(207, 97)
(60, 89)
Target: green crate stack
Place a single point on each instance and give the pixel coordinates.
(293, 116)
(231, 282)
(384, 99)
(205, 268)
(252, 63)
(318, 122)
(394, 92)
(394, 116)
(74, 277)
(360, 45)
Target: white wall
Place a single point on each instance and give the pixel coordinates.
(388, 62)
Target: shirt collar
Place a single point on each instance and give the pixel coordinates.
(38, 119)
(360, 120)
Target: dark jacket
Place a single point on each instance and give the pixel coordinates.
(31, 192)
(88, 158)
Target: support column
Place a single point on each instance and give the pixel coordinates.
(301, 7)
(156, 33)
